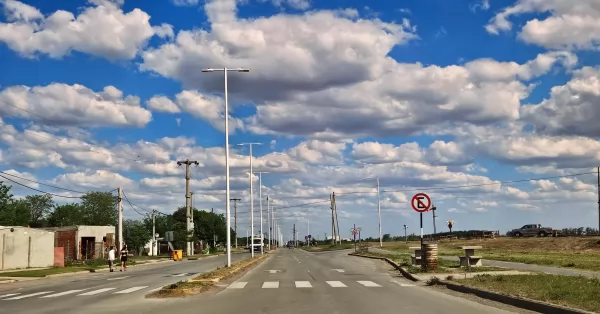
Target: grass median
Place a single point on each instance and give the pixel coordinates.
(577, 292)
(566, 252)
(206, 281)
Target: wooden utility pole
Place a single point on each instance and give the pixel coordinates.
(332, 221)
(235, 200)
(154, 247)
(188, 200)
(337, 233)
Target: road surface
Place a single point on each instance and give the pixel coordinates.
(101, 292)
(295, 281)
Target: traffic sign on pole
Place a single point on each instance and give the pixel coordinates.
(421, 202)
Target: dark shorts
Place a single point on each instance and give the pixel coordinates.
(123, 258)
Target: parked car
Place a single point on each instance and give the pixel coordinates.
(532, 231)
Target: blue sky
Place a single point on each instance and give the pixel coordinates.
(420, 93)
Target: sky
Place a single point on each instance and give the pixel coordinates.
(489, 107)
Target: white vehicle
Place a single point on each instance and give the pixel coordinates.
(257, 243)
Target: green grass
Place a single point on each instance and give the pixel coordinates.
(577, 292)
(320, 248)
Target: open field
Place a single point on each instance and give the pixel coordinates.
(577, 292)
(571, 252)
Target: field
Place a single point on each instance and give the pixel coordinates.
(570, 252)
(577, 292)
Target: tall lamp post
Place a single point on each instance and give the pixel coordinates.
(378, 209)
(251, 197)
(262, 235)
(227, 197)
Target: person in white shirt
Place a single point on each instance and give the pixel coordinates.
(111, 258)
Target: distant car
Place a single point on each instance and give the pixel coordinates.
(532, 231)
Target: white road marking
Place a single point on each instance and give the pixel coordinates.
(97, 291)
(270, 284)
(237, 285)
(130, 290)
(303, 284)
(61, 293)
(8, 295)
(336, 284)
(118, 278)
(340, 270)
(368, 284)
(29, 295)
(272, 271)
(179, 275)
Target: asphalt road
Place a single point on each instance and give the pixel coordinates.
(295, 281)
(101, 292)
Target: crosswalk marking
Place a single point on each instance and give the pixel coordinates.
(8, 295)
(340, 270)
(238, 285)
(368, 284)
(130, 290)
(303, 284)
(270, 284)
(61, 293)
(97, 291)
(118, 278)
(29, 295)
(336, 284)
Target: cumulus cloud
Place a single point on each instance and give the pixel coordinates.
(570, 24)
(73, 105)
(102, 29)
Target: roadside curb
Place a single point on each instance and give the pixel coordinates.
(524, 303)
(8, 281)
(104, 269)
(403, 271)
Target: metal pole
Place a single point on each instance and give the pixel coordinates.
(251, 205)
(422, 257)
(269, 222)
(261, 216)
(227, 194)
(379, 214)
(120, 215)
(153, 248)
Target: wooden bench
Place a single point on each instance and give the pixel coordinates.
(470, 259)
(416, 258)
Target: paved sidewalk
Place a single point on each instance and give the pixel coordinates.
(516, 266)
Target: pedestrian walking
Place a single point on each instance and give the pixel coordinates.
(124, 253)
(111, 258)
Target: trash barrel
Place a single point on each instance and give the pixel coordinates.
(177, 255)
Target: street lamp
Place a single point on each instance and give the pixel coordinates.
(378, 209)
(261, 215)
(227, 202)
(251, 196)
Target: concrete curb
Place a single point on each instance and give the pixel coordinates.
(524, 303)
(403, 271)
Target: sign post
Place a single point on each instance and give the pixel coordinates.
(421, 203)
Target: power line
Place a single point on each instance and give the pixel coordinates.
(48, 185)
(132, 206)
(23, 185)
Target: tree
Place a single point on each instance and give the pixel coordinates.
(386, 237)
(99, 208)
(15, 213)
(66, 215)
(39, 206)
(6, 215)
(137, 234)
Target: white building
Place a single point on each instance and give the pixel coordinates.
(22, 247)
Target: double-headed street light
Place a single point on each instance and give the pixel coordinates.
(251, 196)
(227, 202)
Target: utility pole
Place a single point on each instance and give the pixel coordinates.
(192, 221)
(332, 221)
(433, 208)
(120, 222)
(235, 200)
(379, 214)
(294, 234)
(154, 245)
(405, 237)
(598, 199)
(269, 222)
(337, 233)
(188, 200)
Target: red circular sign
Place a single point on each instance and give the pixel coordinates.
(421, 202)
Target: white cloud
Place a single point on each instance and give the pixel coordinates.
(162, 104)
(570, 25)
(73, 105)
(185, 3)
(103, 30)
